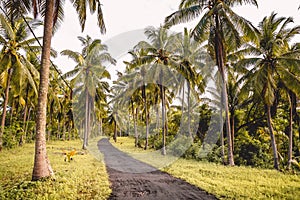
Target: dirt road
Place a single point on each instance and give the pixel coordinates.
(132, 179)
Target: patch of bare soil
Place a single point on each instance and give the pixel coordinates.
(132, 179)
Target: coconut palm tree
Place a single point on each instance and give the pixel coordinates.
(88, 74)
(15, 68)
(190, 57)
(101, 104)
(218, 19)
(118, 106)
(137, 75)
(52, 12)
(160, 56)
(273, 63)
(42, 167)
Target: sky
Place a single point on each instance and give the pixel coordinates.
(126, 19)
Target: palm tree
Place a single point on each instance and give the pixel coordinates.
(139, 80)
(117, 113)
(88, 74)
(160, 52)
(274, 63)
(190, 58)
(217, 20)
(16, 68)
(52, 12)
(42, 167)
(101, 104)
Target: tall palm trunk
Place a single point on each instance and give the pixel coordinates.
(273, 141)
(220, 54)
(232, 128)
(290, 151)
(182, 111)
(23, 136)
(89, 122)
(222, 131)
(85, 133)
(24, 117)
(135, 117)
(157, 119)
(13, 108)
(101, 126)
(27, 122)
(163, 114)
(189, 108)
(115, 131)
(10, 70)
(42, 167)
(64, 125)
(146, 115)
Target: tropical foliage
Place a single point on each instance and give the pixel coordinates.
(225, 91)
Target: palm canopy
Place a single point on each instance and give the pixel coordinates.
(17, 8)
(222, 27)
(13, 56)
(161, 46)
(274, 64)
(90, 68)
(213, 12)
(273, 60)
(191, 60)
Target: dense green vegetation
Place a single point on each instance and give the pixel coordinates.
(83, 177)
(241, 182)
(225, 91)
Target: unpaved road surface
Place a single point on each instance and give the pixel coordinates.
(132, 179)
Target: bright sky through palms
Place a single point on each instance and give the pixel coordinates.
(126, 15)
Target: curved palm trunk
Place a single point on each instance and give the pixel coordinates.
(42, 167)
(10, 70)
(273, 141)
(220, 53)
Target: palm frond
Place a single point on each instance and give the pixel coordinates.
(290, 81)
(183, 15)
(100, 19)
(201, 30)
(242, 25)
(5, 26)
(73, 55)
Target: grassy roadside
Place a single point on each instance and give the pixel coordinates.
(229, 182)
(82, 178)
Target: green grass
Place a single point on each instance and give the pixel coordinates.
(82, 178)
(229, 182)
